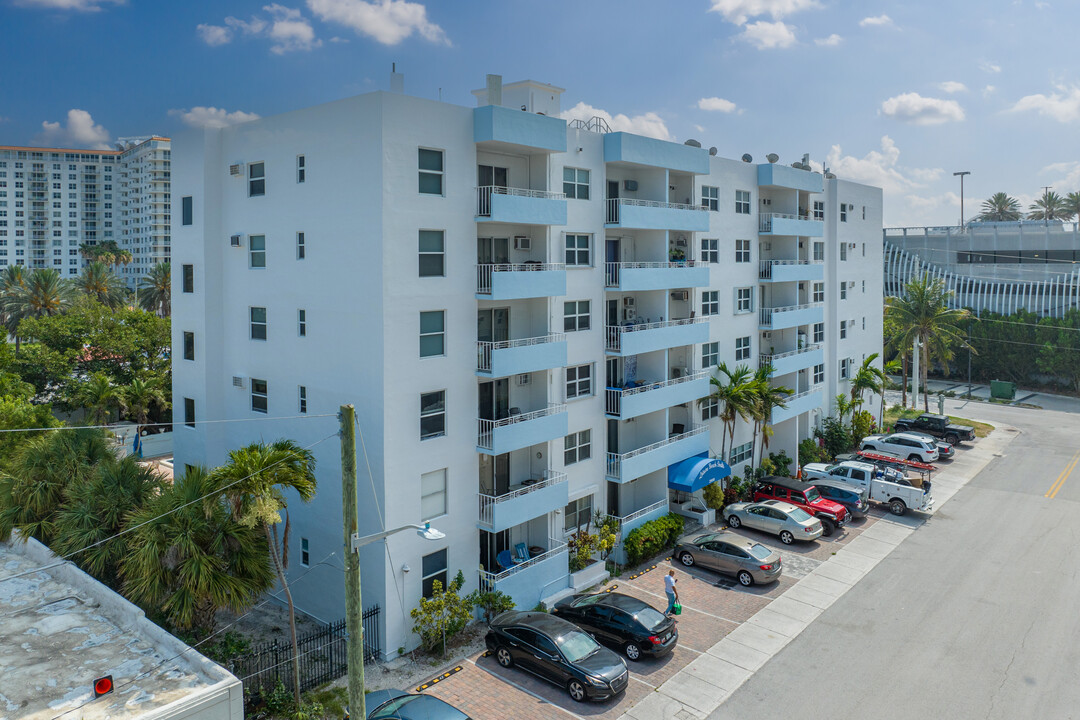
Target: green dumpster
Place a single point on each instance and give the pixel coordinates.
(1002, 389)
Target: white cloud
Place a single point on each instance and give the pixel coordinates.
(988, 91)
(831, 41)
(987, 66)
(876, 21)
(769, 35)
(78, 5)
(386, 21)
(918, 110)
(933, 202)
(254, 27)
(952, 87)
(212, 117)
(715, 104)
(699, 128)
(881, 169)
(287, 28)
(1066, 175)
(1062, 105)
(739, 11)
(649, 124)
(80, 132)
(337, 39)
(214, 35)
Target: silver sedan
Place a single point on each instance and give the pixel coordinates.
(778, 518)
(749, 561)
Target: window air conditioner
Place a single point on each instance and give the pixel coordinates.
(628, 302)
(238, 381)
(766, 335)
(522, 242)
(629, 185)
(523, 379)
(683, 295)
(236, 170)
(234, 241)
(851, 283)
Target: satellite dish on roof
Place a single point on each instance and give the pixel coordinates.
(747, 157)
(797, 165)
(831, 176)
(712, 150)
(692, 143)
(772, 157)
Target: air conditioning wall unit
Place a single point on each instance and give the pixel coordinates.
(523, 379)
(680, 241)
(851, 283)
(522, 242)
(628, 302)
(236, 240)
(236, 169)
(766, 335)
(239, 381)
(629, 185)
(683, 295)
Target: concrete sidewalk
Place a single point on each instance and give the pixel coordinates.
(1047, 401)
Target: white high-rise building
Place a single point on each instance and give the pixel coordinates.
(54, 200)
(524, 312)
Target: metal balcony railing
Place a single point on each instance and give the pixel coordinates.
(615, 395)
(766, 359)
(765, 266)
(615, 460)
(486, 434)
(615, 204)
(613, 270)
(485, 272)
(765, 219)
(485, 348)
(489, 581)
(765, 315)
(488, 503)
(613, 334)
(484, 193)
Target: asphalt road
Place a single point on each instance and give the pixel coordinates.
(975, 615)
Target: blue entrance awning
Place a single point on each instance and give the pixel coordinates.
(695, 473)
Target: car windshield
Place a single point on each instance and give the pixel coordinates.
(799, 515)
(812, 494)
(760, 551)
(576, 646)
(830, 468)
(651, 618)
(587, 600)
(389, 709)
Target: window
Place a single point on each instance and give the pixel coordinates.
(710, 408)
(710, 250)
(578, 381)
(739, 453)
(742, 202)
(577, 514)
(819, 210)
(305, 556)
(258, 396)
(710, 197)
(432, 253)
(575, 183)
(710, 355)
(843, 212)
(301, 322)
(432, 333)
(185, 210)
(864, 249)
(577, 250)
(258, 323)
(742, 348)
(843, 329)
(742, 251)
(843, 290)
(819, 374)
(303, 399)
(432, 494)
(433, 567)
(189, 412)
(819, 252)
(577, 447)
(845, 365)
(257, 251)
(819, 333)
(301, 248)
(575, 315)
(864, 322)
(431, 171)
(843, 251)
(301, 171)
(189, 345)
(710, 302)
(256, 179)
(864, 213)
(819, 292)
(188, 278)
(744, 300)
(432, 414)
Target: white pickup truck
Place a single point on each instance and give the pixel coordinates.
(898, 497)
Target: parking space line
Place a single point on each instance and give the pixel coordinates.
(1062, 477)
(693, 609)
(525, 690)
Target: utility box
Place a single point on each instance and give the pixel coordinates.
(1002, 389)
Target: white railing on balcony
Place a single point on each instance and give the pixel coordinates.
(594, 124)
(612, 270)
(484, 272)
(805, 393)
(658, 505)
(489, 580)
(615, 460)
(488, 503)
(486, 435)
(765, 219)
(615, 395)
(614, 204)
(484, 348)
(613, 334)
(484, 193)
(765, 315)
(765, 266)
(765, 359)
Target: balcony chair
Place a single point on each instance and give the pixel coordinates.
(521, 553)
(505, 560)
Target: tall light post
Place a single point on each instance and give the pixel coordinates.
(962, 173)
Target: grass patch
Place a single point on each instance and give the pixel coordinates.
(333, 700)
(981, 429)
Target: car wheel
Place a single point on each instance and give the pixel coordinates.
(734, 521)
(745, 578)
(633, 651)
(827, 528)
(503, 656)
(914, 458)
(576, 690)
(686, 559)
(786, 537)
(869, 447)
(897, 507)
(952, 439)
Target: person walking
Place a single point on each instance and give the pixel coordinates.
(672, 593)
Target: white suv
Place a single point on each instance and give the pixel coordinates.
(906, 445)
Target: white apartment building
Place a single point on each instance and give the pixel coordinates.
(53, 200)
(524, 312)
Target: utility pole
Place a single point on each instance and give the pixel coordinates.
(354, 626)
(969, 357)
(915, 375)
(962, 173)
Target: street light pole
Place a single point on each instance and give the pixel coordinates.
(962, 173)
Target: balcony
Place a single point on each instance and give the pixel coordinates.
(496, 437)
(788, 177)
(521, 130)
(626, 147)
(778, 318)
(784, 224)
(789, 362)
(647, 337)
(636, 519)
(516, 281)
(529, 581)
(514, 357)
(520, 206)
(797, 405)
(790, 270)
(655, 215)
(631, 402)
(641, 276)
(539, 497)
(624, 467)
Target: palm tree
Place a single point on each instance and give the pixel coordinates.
(12, 278)
(99, 396)
(42, 292)
(1072, 205)
(1000, 207)
(188, 557)
(766, 397)
(867, 377)
(261, 472)
(845, 406)
(735, 395)
(101, 283)
(155, 290)
(107, 252)
(141, 395)
(1050, 206)
(923, 314)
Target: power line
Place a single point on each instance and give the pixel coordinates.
(1017, 322)
(115, 426)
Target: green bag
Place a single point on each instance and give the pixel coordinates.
(676, 609)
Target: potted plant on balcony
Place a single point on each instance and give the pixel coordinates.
(676, 255)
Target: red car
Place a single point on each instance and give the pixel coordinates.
(832, 515)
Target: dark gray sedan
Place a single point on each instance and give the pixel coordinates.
(727, 553)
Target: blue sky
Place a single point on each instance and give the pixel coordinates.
(895, 94)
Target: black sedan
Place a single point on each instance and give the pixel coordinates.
(622, 621)
(558, 651)
(400, 705)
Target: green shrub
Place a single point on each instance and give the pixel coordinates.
(835, 436)
(713, 495)
(491, 603)
(647, 541)
(443, 615)
(781, 463)
(810, 451)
